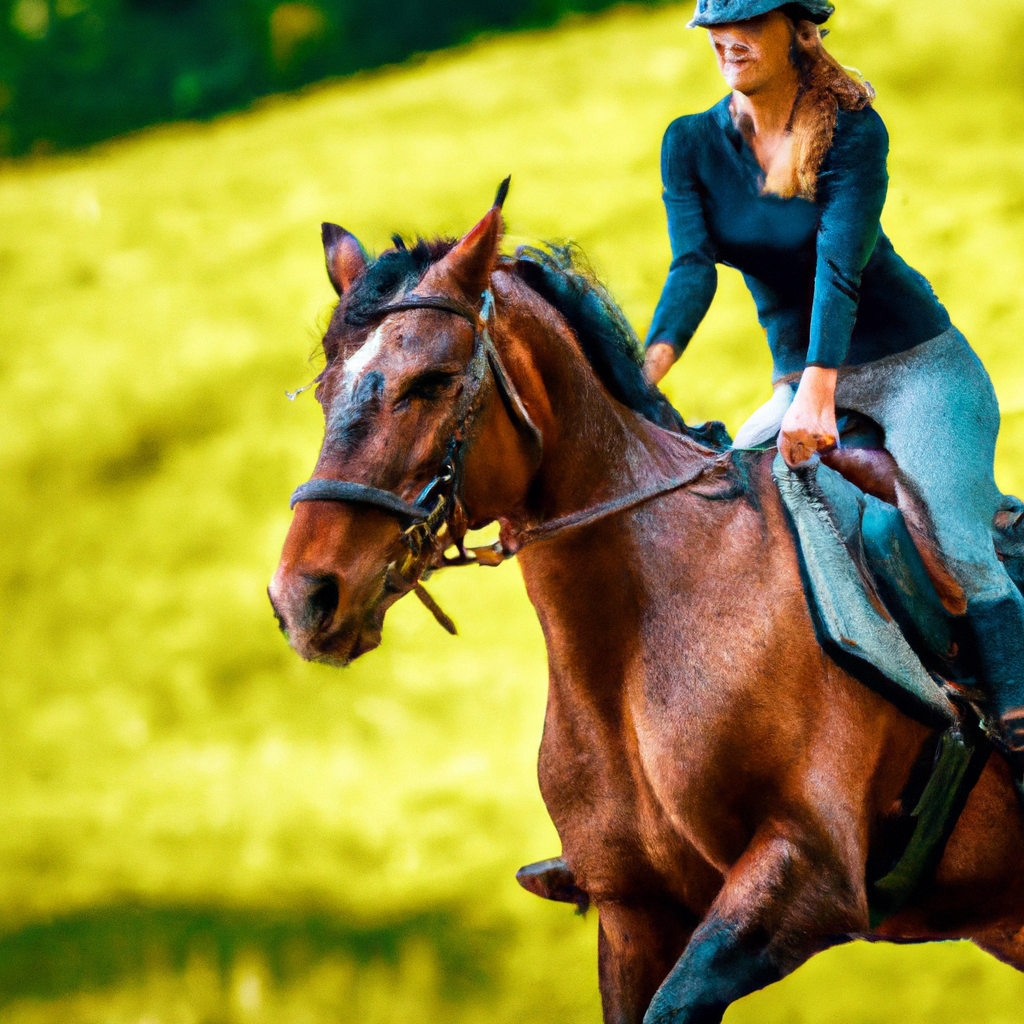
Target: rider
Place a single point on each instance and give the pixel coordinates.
(785, 179)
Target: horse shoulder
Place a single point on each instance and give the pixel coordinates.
(739, 714)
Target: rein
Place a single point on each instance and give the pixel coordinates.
(586, 516)
(436, 519)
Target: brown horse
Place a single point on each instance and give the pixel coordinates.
(718, 783)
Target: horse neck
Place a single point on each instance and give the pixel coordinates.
(595, 448)
(590, 585)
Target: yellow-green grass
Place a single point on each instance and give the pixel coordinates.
(194, 825)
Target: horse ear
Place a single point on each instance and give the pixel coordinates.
(344, 255)
(471, 261)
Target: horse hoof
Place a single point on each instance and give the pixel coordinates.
(552, 880)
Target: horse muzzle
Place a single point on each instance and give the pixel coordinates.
(322, 621)
(332, 587)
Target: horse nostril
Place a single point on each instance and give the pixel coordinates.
(322, 600)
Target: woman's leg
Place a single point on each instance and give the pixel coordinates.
(939, 412)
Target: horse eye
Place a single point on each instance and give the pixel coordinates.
(428, 387)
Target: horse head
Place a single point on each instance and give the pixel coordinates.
(425, 435)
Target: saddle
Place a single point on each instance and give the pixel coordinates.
(877, 584)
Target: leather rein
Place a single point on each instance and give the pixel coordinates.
(437, 519)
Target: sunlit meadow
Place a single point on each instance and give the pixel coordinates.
(194, 825)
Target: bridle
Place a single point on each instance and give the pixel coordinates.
(437, 520)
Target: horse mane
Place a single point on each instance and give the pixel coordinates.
(560, 275)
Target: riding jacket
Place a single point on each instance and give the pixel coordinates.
(829, 288)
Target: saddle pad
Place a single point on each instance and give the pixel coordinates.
(852, 622)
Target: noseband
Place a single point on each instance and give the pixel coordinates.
(435, 506)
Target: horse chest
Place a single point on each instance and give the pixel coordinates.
(596, 775)
(645, 759)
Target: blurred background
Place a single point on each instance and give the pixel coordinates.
(75, 71)
(195, 826)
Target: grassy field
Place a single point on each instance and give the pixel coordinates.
(195, 826)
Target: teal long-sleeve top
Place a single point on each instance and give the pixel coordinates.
(829, 288)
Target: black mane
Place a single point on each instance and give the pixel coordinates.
(560, 275)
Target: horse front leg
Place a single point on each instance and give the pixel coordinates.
(637, 944)
(783, 901)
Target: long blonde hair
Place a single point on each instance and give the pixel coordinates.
(826, 87)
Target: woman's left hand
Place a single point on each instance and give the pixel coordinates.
(810, 424)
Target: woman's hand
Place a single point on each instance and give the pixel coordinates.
(658, 360)
(810, 424)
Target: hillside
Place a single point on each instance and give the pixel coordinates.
(195, 825)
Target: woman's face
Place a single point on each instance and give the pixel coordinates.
(753, 53)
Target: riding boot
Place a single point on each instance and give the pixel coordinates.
(998, 628)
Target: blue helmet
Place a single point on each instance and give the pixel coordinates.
(719, 12)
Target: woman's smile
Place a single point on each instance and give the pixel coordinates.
(735, 53)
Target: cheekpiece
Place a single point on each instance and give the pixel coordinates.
(720, 12)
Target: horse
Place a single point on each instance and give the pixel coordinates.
(720, 786)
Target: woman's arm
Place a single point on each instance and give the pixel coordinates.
(692, 276)
(851, 192)
(659, 358)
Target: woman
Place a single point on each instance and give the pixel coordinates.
(785, 179)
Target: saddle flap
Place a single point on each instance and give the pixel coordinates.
(852, 620)
(874, 472)
(901, 577)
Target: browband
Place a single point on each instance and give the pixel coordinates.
(441, 302)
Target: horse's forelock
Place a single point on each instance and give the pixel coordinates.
(395, 271)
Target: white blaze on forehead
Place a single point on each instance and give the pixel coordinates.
(359, 360)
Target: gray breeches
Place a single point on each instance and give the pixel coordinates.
(939, 412)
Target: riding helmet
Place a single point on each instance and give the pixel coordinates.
(719, 12)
